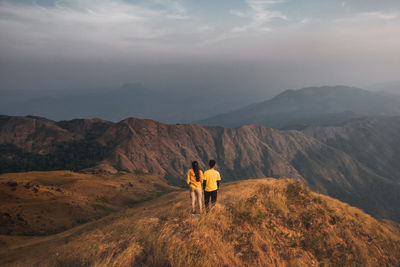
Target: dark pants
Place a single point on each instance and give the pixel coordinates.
(208, 195)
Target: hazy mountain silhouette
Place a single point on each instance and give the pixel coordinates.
(328, 165)
(392, 87)
(310, 106)
(169, 106)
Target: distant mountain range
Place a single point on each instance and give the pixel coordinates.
(129, 100)
(356, 162)
(297, 109)
(292, 109)
(392, 87)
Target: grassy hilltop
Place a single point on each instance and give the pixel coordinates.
(263, 222)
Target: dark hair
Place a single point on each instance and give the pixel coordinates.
(212, 163)
(195, 167)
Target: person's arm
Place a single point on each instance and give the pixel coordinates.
(188, 177)
(218, 182)
(204, 180)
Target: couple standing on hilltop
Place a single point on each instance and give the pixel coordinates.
(209, 182)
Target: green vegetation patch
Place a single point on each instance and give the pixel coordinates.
(72, 155)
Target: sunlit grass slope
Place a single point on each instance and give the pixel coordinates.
(43, 203)
(263, 222)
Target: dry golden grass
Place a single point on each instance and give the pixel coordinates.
(42, 203)
(263, 222)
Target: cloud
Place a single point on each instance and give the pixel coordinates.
(95, 26)
(380, 15)
(238, 13)
(261, 14)
(365, 19)
(305, 20)
(148, 32)
(172, 8)
(205, 28)
(77, 27)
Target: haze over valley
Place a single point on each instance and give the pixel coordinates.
(124, 101)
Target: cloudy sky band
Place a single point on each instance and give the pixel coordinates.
(174, 31)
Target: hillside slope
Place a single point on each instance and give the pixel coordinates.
(263, 222)
(375, 142)
(247, 152)
(43, 203)
(328, 105)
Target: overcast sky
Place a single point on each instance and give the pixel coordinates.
(255, 45)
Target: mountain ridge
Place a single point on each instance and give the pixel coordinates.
(325, 105)
(247, 152)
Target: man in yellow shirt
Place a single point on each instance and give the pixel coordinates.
(211, 184)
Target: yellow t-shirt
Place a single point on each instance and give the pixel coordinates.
(191, 179)
(211, 176)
